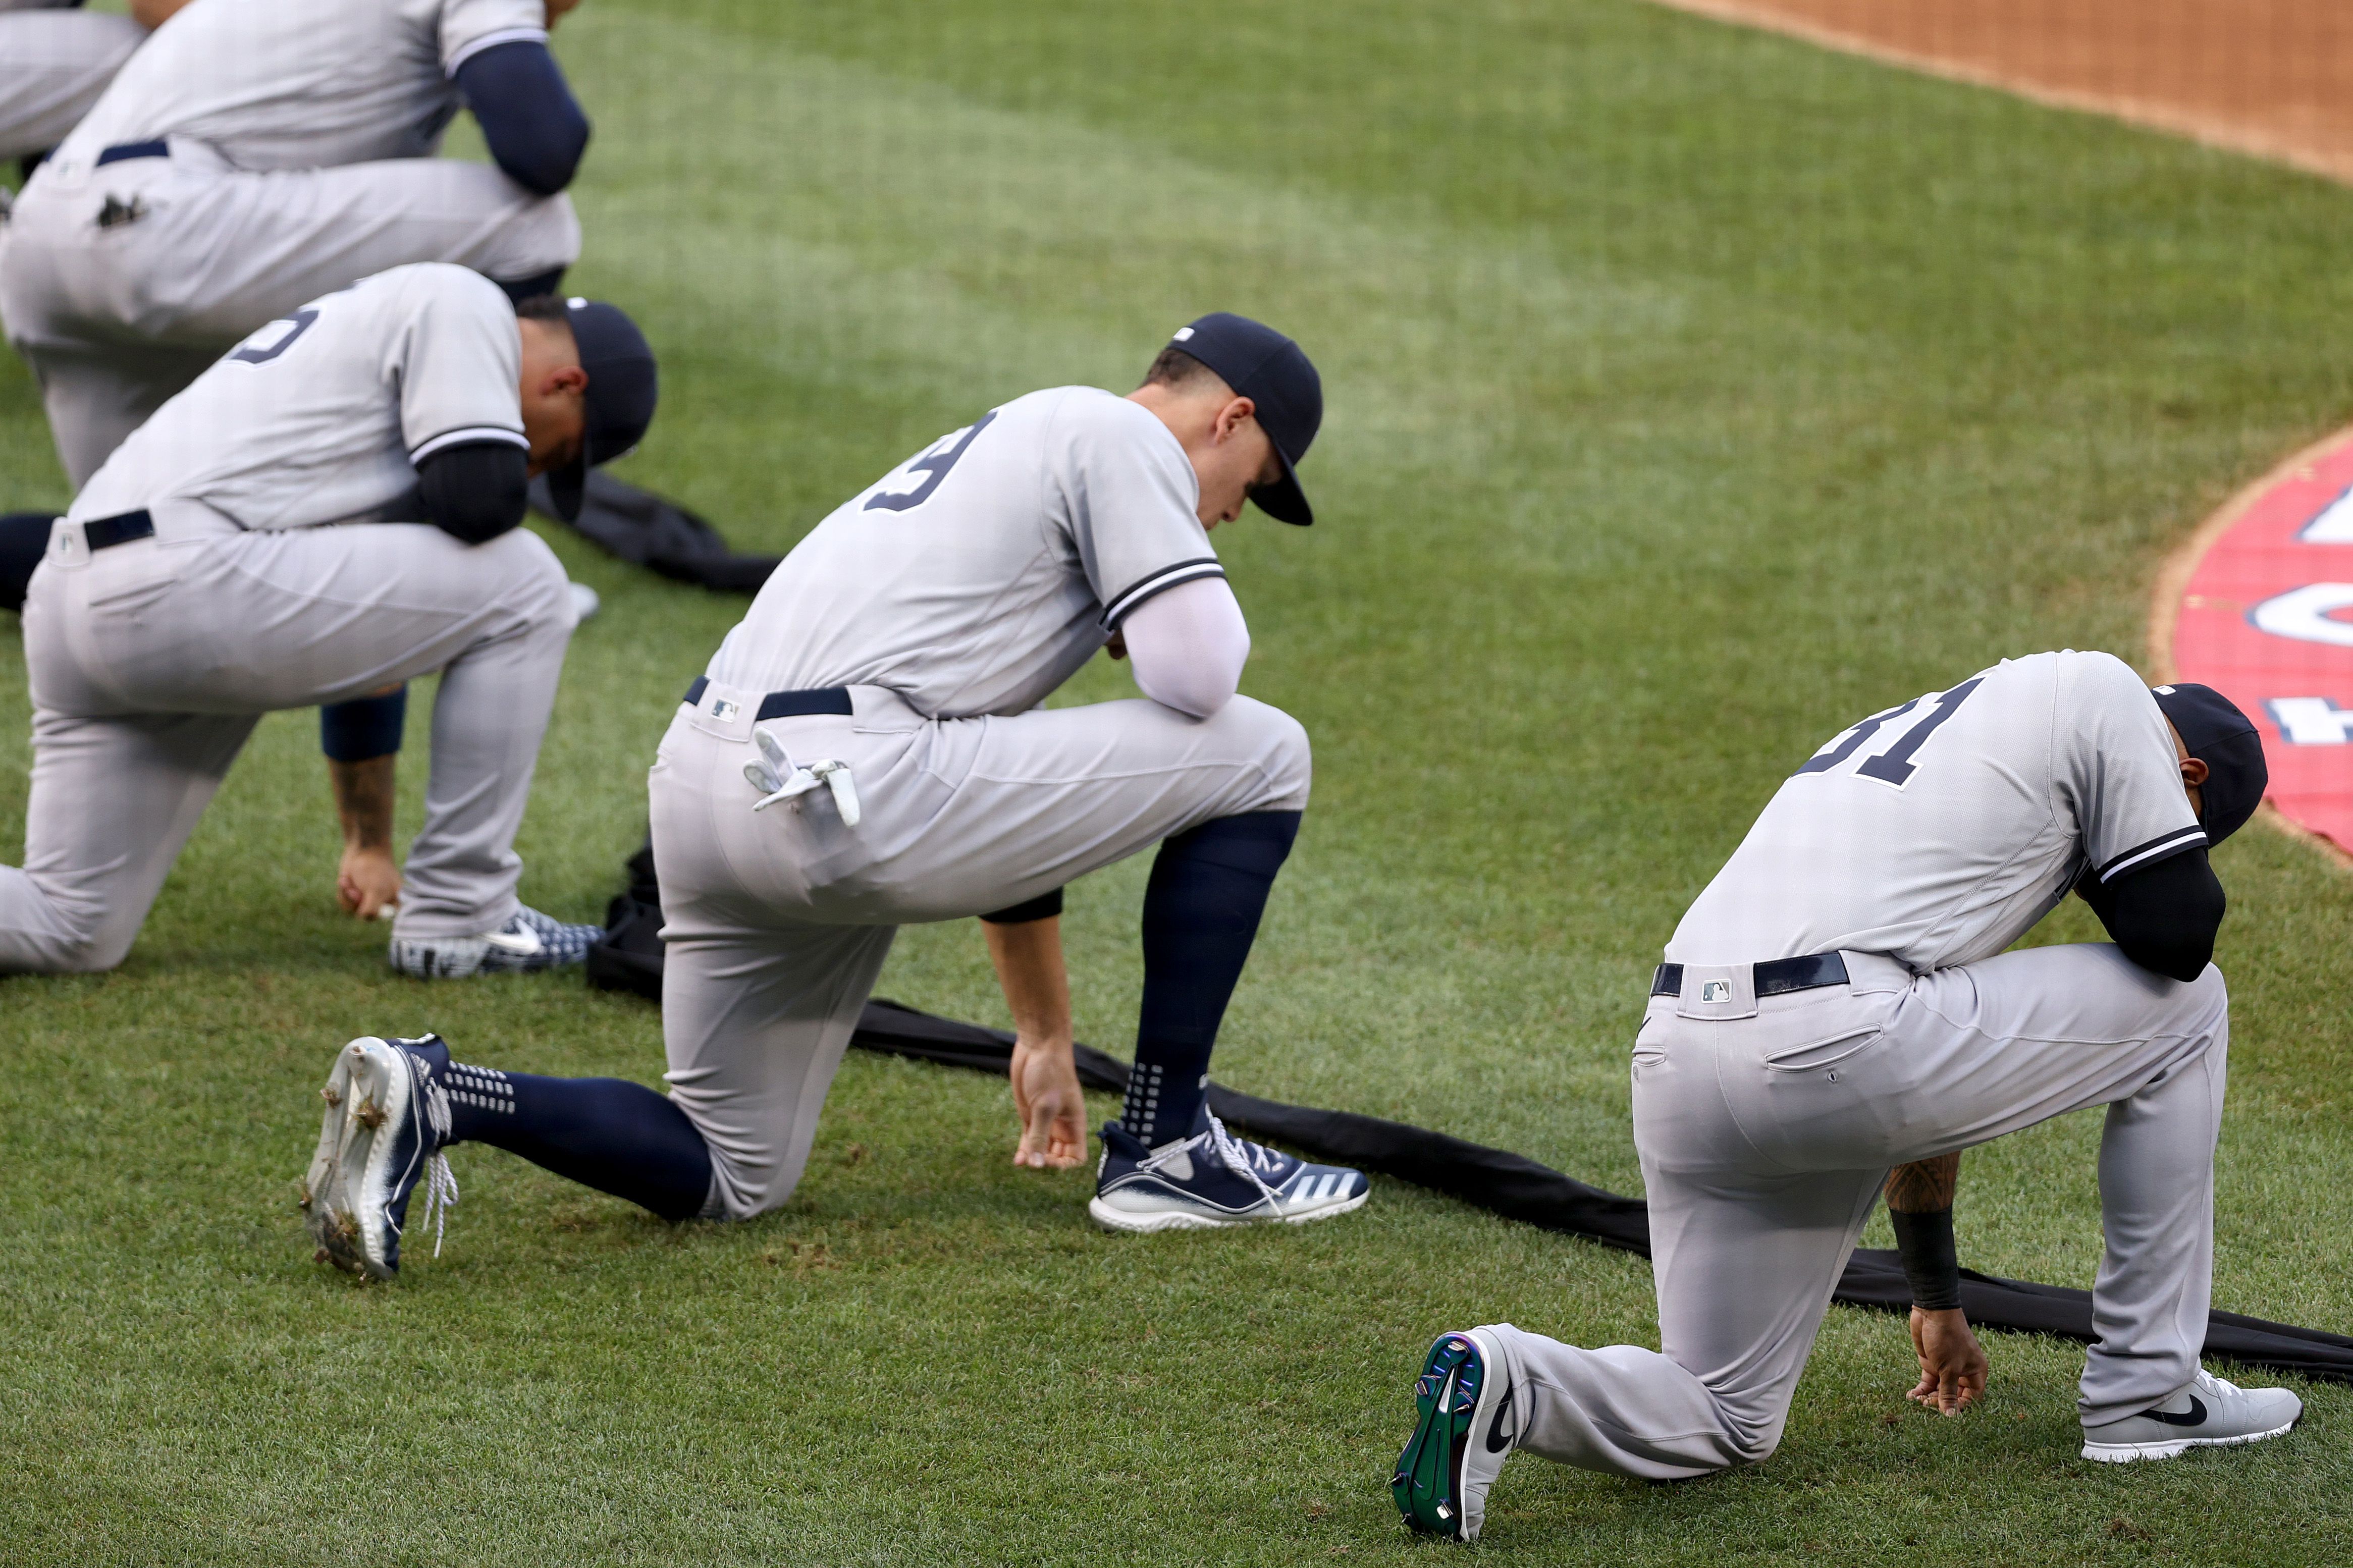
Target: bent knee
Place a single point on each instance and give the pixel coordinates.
(529, 578)
(1280, 746)
(66, 953)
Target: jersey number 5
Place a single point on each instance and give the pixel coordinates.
(1894, 765)
(259, 353)
(933, 465)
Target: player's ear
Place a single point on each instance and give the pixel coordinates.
(2193, 771)
(1237, 413)
(569, 378)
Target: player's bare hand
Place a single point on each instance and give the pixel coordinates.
(367, 884)
(1052, 1107)
(1952, 1363)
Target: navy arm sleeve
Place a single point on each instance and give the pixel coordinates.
(475, 491)
(533, 125)
(2164, 916)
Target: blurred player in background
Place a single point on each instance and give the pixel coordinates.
(54, 60)
(332, 506)
(258, 153)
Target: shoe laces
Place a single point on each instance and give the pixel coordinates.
(1229, 1150)
(439, 1182)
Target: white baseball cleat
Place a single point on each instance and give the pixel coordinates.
(387, 1117)
(529, 941)
(2204, 1413)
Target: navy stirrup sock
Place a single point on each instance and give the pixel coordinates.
(607, 1133)
(24, 540)
(1202, 911)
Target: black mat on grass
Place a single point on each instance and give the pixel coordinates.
(1512, 1186)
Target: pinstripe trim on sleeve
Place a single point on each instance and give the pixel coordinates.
(2156, 849)
(466, 435)
(1160, 582)
(473, 46)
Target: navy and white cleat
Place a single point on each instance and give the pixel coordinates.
(1464, 1432)
(529, 941)
(2204, 1413)
(388, 1117)
(1213, 1179)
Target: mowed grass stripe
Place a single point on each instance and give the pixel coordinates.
(1690, 392)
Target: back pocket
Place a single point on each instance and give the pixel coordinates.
(1817, 1055)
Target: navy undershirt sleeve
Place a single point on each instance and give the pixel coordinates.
(2165, 916)
(534, 126)
(475, 491)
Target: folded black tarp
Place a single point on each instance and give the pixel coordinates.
(1502, 1183)
(644, 529)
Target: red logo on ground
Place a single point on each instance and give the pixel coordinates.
(2266, 620)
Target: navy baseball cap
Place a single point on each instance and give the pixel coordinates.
(622, 389)
(1266, 367)
(2214, 731)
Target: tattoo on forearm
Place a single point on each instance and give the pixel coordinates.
(363, 799)
(1925, 1186)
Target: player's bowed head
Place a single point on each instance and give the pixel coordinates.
(1245, 404)
(588, 389)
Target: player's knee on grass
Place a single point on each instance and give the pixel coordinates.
(80, 939)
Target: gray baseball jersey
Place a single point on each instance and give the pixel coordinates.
(951, 596)
(1940, 830)
(54, 64)
(1919, 843)
(268, 152)
(977, 577)
(292, 84)
(150, 651)
(323, 417)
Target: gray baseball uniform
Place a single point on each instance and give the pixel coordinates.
(1918, 845)
(253, 155)
(949, 599)
(54, 63)
(244, 551)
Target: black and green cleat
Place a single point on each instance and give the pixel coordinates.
(1458, 1442)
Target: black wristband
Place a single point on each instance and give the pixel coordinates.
(1931, 1267)
(1045, 906)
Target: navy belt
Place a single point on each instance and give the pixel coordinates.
(785, 704)
(106, 532)
(122, 151)
(1774, 979)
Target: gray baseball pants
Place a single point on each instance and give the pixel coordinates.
(116, 318)
(53, 66)
(150, 662)
(1765, 1128)
(777, 923)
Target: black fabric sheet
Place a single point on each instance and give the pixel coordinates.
(644, 529)
(1512, 1185)
(1519, 1188)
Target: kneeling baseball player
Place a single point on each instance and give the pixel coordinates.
(868, 748)
(330, 508)
(1838, 1003)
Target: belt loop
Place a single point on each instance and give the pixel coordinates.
(106, 532)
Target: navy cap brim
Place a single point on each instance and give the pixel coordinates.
(568, 485)
(1283, 500)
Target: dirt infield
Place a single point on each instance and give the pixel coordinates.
(2273, 77)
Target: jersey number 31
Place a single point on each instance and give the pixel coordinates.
(1894, 765)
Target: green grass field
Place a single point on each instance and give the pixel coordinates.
(1691, 393)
